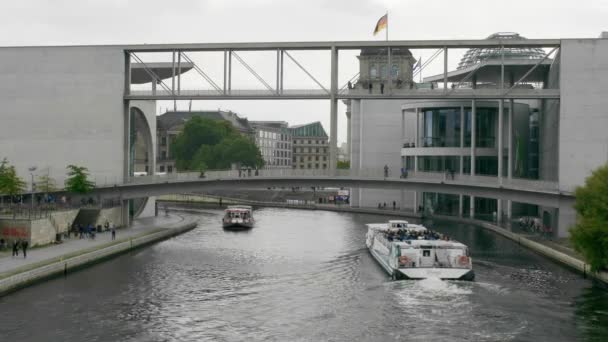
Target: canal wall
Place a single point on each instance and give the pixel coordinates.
(64, 264)
(551, 253)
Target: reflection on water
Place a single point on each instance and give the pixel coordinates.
(305, 276)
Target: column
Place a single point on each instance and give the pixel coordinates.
(417, 137)
(501, 104)
(472, 207)
(498, 210)
(126, 141)
(415, 202)
(510, 139)
(509, 210)
(127, 73)
(333, 112)
(473, 142)
(460, 205)
(462, 127)
(124, 213)
(348, 135)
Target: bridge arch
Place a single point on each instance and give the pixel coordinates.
(141, 144)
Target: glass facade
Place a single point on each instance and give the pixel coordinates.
(439, 163)
(441, 127)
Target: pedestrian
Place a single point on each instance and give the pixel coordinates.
(15, 248)
(239, 172)
(24, 244)
(113, 232)
(370, 87)
(384, 205)
(220, 202)
(394, 205)
(381, 88)
(106, 225)
(385, 171)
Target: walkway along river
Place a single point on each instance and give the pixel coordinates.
(306, 276)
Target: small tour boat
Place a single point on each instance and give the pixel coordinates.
(238, 217)
(411, 251)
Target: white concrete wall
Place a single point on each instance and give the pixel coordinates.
(583, 128)
(60, 106)
(376, 141)
(111, 215)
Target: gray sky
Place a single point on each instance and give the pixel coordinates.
(59, 22)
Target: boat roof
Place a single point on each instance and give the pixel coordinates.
(430, 243)
(239, 208)
(389, 226)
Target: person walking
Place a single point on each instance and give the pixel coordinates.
(394, 205)
(24, 244)
(113, 232)
(15, 248)
(381, 88)
(370, 87)
(220, 202)
(385, 171)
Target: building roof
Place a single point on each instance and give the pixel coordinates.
(169, 120)
(477, 55)
(140, 73)
(313, 129)
(374, 51)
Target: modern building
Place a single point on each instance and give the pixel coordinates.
(170, 124)
(310, 144)
(273, 138)
(527, 142)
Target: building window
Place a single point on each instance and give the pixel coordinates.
(316, 165)
(163, 155)
(163, 141)
(317, 150)
(317, 158)
(309, 166)
(324, 158)
(170, 168)
(309, 142)
(162, 168)
(325, 166)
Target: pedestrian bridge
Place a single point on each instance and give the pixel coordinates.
(536, 192)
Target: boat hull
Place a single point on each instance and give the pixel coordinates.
(423, 272)
(237, 225)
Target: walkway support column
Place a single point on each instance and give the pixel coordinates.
(461, 142)
(501, 104)
(460, 205)
(510, 139)
(126, 141)
(472, 207)
(333, 112)
(417, 137)
(473, 142)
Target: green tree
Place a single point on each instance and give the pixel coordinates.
(213, 144)
(590, 234)
(343, 164)
(46, 184)
(10, 182)
(78, 180)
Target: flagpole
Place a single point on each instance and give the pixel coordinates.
(387, 26)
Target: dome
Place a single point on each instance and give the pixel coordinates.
(476, 55)
(375, 51)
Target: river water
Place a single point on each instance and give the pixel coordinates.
(305, 276)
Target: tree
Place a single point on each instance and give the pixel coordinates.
(10, 182)
(78, 180)
(343, 164)
(206, 143)
(590, 234)
(46, 184)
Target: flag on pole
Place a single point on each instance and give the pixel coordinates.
(417, 64)
(382, 23)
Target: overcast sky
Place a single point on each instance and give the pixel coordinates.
(60, 22)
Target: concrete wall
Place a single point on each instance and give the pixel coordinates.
(111, 215)
(376, 141)
(583, 134)
(62, 219)
(14, 229)
(60, 106)
(42, 232)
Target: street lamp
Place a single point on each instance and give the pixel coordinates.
(32, 169)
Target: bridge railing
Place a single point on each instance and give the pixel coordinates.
(368, 173)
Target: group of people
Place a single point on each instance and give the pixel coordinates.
(410, 234)
(89, 230)
(246, 172)
(383, 205)
(17, 245)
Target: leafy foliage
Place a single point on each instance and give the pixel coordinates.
(78, 180)
(46, 184)
(590, 235)
(343, 164)
(211, 144)
(10, 182)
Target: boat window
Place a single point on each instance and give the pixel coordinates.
(426, 253)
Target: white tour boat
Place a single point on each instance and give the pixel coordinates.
(238, 217)
(410, 251)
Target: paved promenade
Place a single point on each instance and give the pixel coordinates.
(74, 245)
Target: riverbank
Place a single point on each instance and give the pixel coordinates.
(53, 260)
(548, 249)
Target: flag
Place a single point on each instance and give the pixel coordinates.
(417, 64)
(382, 23)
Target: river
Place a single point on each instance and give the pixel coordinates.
(305, 276)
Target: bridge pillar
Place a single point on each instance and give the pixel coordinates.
(472, 207)
(498, 210)
(510, 141)
(333, 112)
(460, 205)
(461, 144)
(473, 142)
(124, 213)
(501, 104)
(509, 210)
